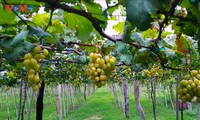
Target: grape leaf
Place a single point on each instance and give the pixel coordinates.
(126, 58)
(182, 44)
(119, 27)
(120, 46)
(19, 38)
(81, 24)
(137, 37)
(38, 31)
(139, 12)
(5, 16)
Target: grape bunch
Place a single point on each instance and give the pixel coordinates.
(127, 71)
(153, 72)
(76, 78)
(32, 66)
(189, 88)
(99, 69)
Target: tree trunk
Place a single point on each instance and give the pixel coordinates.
(58, 102)
(114, 91)
(8, 104)
(39, 104)
(198, 112)
(137, 101)
(126, 99)
(85, 91)
(71, 95)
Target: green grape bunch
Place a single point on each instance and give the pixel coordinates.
(99, 69)
(32, 66)
(189, 87)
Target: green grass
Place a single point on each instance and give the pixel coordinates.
(101, 105)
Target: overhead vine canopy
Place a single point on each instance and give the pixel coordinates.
(78, 26)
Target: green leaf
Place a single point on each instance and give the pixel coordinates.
(137, 37)
(56, 27)
(136, 67)
(20, 38)
(81, 24)
(60, 46)
(38, 31)
(139, 12)
(5, 16)
(169, 53)
(18, 51)
(126, 58)
(169, 41)
(120, 47)
(51, 39)
(143, 56)
(96, 8)
(150, 33)
(69, 39)
(127, 32)
(41, 19)
(119, 27)
(82, 59)
(28, 46)
(109, 43)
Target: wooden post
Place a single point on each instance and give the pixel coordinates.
(71, 95)
(153, 96)
(20, 99)
(7, 104)
(198, 112)
(15, 102)
(170, 97)
(85, 91)
(58, 102)
(137, 101)
(177, 103)
(24, 101)
(31, 104)
(126, 99)
(114, 92)
(63, 99)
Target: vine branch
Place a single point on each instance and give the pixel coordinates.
(166, 20)
(95, 22)
(162, 63)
